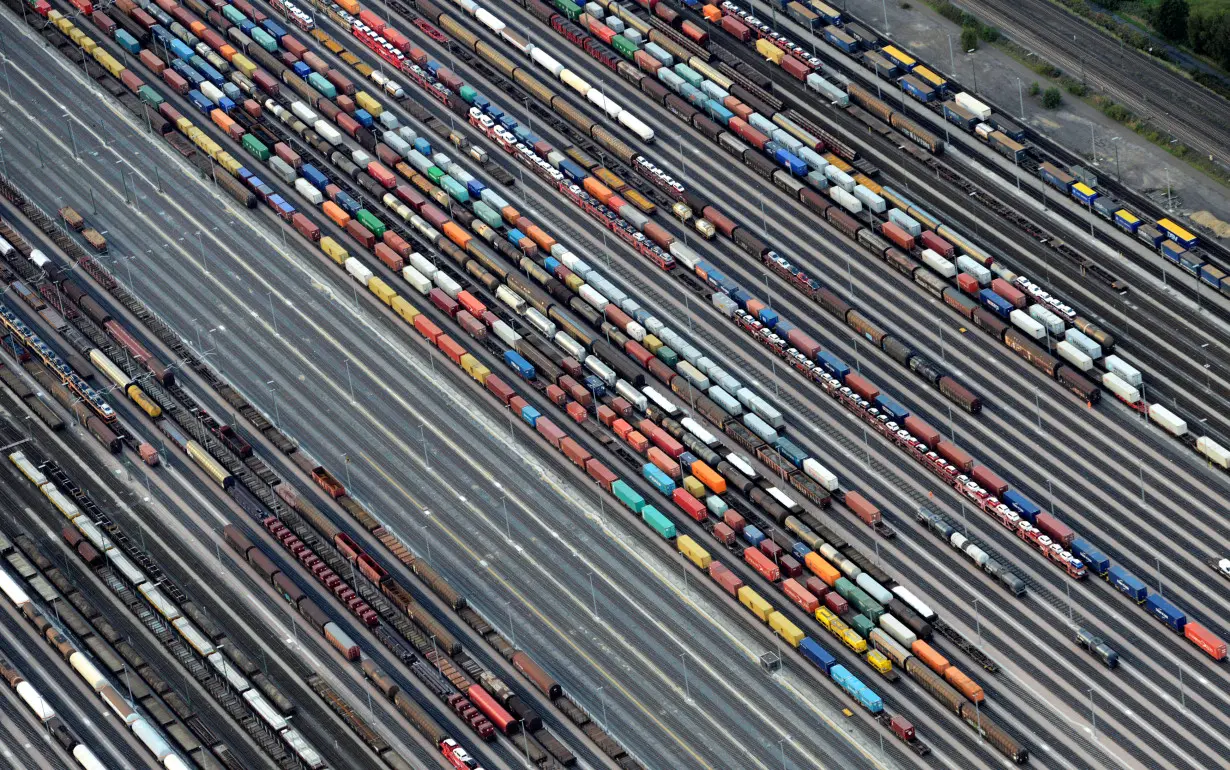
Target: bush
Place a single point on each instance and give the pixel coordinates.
(1052, 98)
(969, 38)
(1170, 19)
(1034, 88)
(988, 33)
(950, 12)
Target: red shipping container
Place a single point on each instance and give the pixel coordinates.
(423, 325)
(697, 33)
(937, 244)
(294, 46)
(371, 20)
(557, 395)
(382, 175)
(690, 505)
(816, 587)
(576, 411)
(471, 303)
(835, 602)
(252, 107)
(444, 302)
(664, 463)
(725, 578)
(968, 283)
(601, 474)
(661, 371)
(151, 60)
(1009, 292)
(724, 533)
(740, 109)
(572, 366)
(898, 235)
(498, 387)
(549, 430)
(861, 386)
(345, 104)
(805, 344)
(289, 156)
(391, 259)
(175, 81)
(343, 84)
(955, 455)
(306, 227)
(360, 233)
(661, 438)
(800, 596)
(922, 431)
(410, 196)
(606, 415)
(862, 508)
(638, 352)
(266, 82)
(989, 481)
(621, 407)
(795, 68)
(348, 124)
(734, 520)
(622, 428)
(790, 566)
(771, 550)
(638, 442)
(451, 348)
(647, 63)
(397, 244)
(1059, 532)
(573, 451)
(737, 28)
(1205, 640)
(759, 562)
(131, 81)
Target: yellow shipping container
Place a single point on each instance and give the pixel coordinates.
(333, 250)
(382, 290)
(879, 662)
(770, 51)
(473, 367)
(366, 102)
(88, 45)
(754, 602)
(691, 549)
(76, 35)
(651, 343)
(183, 124)
(243, 64)
(350, 6)
(227, 162)
(785, 629)
(404, 309)
(694, 487)
(825, 616)
(54, 16)
(853, 640)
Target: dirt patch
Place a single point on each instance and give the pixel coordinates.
(1206, 219)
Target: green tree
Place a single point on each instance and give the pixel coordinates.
(969, 38)
(1052, 98)
(1170, 19)
(1034, 88)
(1208, 31)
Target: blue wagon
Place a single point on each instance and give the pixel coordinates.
(518, 364)
(1127, 583)
(1022, 505)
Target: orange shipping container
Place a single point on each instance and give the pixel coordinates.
(664, 462)
(425, 327)
(967, 687)
(451, 348)
(927, 654)
(712, 13)
(197, 27)
(597, 189)
(539, 236)
(637, 441)
(825, 571)
(511, 215)
(862, 508)
(455, 234)
(621, 428)
(709, 477)
(223, 120)
(227, 52)
(800, 596)
(334, 212)
(351, 6)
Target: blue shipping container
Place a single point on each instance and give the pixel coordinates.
(572, 171)
(202, 104)
(530, 415)
(475, 188)
(820, 657)
(226, 104)
(1163, 610)
(920, 93)
(659, 480)
(769, 317)
(1127, 224)
(833, 365)
(364, 118)
(1094, 559)
(686, 459)
(890, 407)
(595, 386)
(1128, 583)
(1213, 276)
(519, 364)
(423, 146)
(849, 46)
(127, 42)
(301, 69)
(182, 51)
(273, 28)
(317, 179)
(791, 162)
(791, 451)
(1021, 505)
(799, 552)
(753, 535)
(348, 204)
(995, 303)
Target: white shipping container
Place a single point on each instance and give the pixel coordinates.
(869, 199)
(968, 265)
(698, 430)
(1073, 355)
(304, 112)
(1129, 373)
(446, 284)
(591, 296)
(743, 466)
(505, 333)
(723, 399)
(822, 476)
(212, 92)
(1027, 325)
(1217, 454)
(359, 271)
(897, 630)
(905, 222)
(660, 401)
(1088, 346)
(845, 199)
(784, 499)
(746, 397)
(420, 282)
(932, 259)
(693, 375)
(813, 159)
(840, 178)
(361, 158)
(980, 110)
(916, 604)
(1171, 422)
(1053, 323)
(760, 428)
(310, 193)
(768, 412)
(871, 586)
(762, 124)
(635, 331)
(328, 133)
(1115, 384)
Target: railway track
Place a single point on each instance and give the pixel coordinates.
(1128, 76)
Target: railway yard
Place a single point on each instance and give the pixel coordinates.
(612, 385)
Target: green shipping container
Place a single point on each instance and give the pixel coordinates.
(668, 356)
(326, 89)
(371, 222)
(862, 625)
(255, 147)
(435, 174)
(624, 46)
(863, 602)
(150, 96)
(659, 523)
(233, 14)
(455, 189)
(488, 214)
(844, 588)
(569, 9)
(468, 94)
(688, 74)
(627, 495)
(264, 40)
